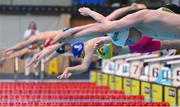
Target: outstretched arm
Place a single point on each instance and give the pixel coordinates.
(89, 50)
(95, 15)
(92, 29)
(119, 25)
(45, 52)
(51, 56)
(59, 51)
(32, 39)
(114, 15)
(70, 32)
(125, 10)
(20, 53)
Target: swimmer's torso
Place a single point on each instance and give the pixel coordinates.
(156, 28)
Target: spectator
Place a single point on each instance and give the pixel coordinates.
(32, 30)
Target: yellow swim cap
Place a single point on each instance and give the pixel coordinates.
(105, 52)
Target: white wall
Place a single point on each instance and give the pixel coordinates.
(12, 27)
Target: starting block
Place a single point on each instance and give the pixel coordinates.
(175, 67)
(157, 92)
(112, 66)
(108, 70)
(136, 64)
(172, 93)
(121, 67)
(127, 84)
(164, 78)
(158, 79)
(146, 90)
(136, 68)
(112, 81)
(99, 77)
(119, 83)
(123, 70)
(157, 66)
(93, 76)
(105, 79)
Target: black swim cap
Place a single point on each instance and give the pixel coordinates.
(61, 50)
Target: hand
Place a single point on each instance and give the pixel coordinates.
(8, 52)
(99, 44)
(45, 52)
(34, 59)
(37, 64)
(66, 74)
(84, 11)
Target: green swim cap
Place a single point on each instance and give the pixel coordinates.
(105, 52)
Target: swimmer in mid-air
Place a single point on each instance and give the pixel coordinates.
(51, 34)
(117, 13)
(87, 50)
(153, 23)
(23, 53)
(134, 35)
(146, 44)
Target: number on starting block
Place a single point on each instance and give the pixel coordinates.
(176, 75)
(154, 70)
(125, 69)
(119, 68)
(135, 70)
(164, 76)
(111, 68)
(175, 66)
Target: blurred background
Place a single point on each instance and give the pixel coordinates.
(15, 16)
(105, 83)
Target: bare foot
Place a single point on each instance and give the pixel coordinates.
(84, 11)
(138, 6)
